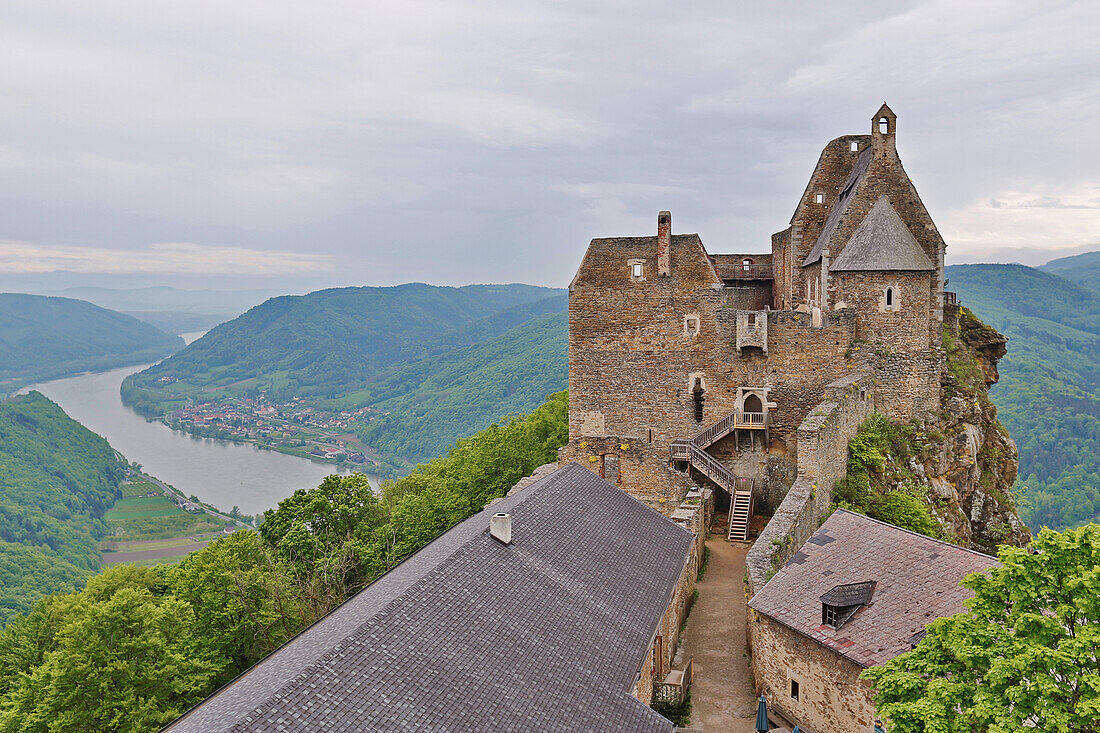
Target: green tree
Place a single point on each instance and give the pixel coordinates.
(1023, 657)
(124, 657)
(241, 597)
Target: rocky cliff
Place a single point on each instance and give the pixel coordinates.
(972, 467)
(948, 475)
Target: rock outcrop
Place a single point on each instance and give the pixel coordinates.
(970, 461)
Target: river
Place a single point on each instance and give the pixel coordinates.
(219, 472)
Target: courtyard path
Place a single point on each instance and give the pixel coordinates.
(722, 695)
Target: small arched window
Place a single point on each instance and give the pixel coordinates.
(883, 125)
(889, 297)
(854, 147)
(746, 264)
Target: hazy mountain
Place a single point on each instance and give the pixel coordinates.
(173, 310)
(43, 338)
(1083, 269)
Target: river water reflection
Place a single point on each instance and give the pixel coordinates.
(219, 472)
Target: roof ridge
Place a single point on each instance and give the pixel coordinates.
(915, 534)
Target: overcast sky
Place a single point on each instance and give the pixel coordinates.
(335, 143)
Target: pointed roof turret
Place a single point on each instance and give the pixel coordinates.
(882, 242)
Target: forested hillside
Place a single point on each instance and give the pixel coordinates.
(44, 338)
(405, 370)
(1083, 269)
(432, 400)
(141, 645)
(57, 478)
(1049, 392)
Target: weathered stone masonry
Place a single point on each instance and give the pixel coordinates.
(672, 349)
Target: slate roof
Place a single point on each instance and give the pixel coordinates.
(849, 594)
(468, 634)
(832, 221)
(882, 241)
(917, 581)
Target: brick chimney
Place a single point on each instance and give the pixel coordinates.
(664, 235)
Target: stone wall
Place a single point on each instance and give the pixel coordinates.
(903, 326)
(822, 461)
(658, 660)
(908, 385)
(643, 469)
(833, 167)
(831, 697)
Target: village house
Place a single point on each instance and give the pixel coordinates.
(856, 595)
(556, 609)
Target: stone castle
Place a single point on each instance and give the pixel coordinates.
(715, 386)
(753, 370)
(667, 339)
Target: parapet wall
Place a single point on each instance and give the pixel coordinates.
(822, 461)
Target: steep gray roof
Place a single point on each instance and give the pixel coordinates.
(916, 580)
(847, 191)
(547, 633)
(882, 242)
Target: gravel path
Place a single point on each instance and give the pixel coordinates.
(723, 698)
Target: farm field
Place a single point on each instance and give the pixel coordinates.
(155, 552)
(150, 529)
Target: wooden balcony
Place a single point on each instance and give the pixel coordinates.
(750, 420)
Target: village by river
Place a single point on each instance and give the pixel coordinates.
(218, 472)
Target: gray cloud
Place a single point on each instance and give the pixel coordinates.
(457, 142)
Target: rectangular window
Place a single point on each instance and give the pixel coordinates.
(794, 689)
(819, 198)
(636, 269)
(829, 615)
(610, 470)
(691, 326)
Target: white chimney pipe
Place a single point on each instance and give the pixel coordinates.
(500, 527)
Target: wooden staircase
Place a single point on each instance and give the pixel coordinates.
(739, 489)
(741, 511)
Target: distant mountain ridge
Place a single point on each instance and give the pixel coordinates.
(173, 310)
(434, 363)
(48, 337)
(1083, 269)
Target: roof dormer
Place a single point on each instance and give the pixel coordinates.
(841, 602)
(884, 127)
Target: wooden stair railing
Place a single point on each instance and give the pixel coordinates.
(716, 432)
(739, 489)
(740, 511)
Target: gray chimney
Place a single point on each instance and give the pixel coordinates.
(500, 527)
(664, 235)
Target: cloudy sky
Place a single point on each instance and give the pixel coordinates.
(451, 141)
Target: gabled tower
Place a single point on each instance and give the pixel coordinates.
(884, 127)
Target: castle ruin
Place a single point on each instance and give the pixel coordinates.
(685, 363)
